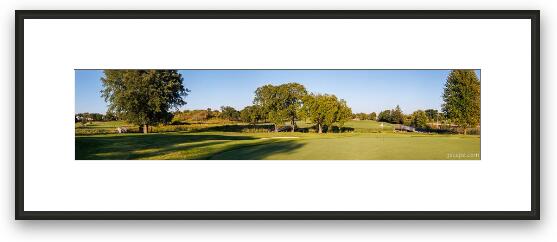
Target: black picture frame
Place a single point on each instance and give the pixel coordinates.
(533, 214)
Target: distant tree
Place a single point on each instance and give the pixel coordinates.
(325, 109)
(432, 115)
(281, 103)
(462, 98)
(251, 114)
(407, 119)
(227, 112)
(361, 116)
(209, 113)
(214, 114)
(419, 119)
(110, 116)
(89, 117)
(198, 115)
(84, 117)
(373, 116)
(384, 116)
(143, 97)
(397, 116)
(96, 116)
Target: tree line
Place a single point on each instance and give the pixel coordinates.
(364, 116)
(90, 117)
(146, 97)
(461, 105)
(418, 119)
(225, 113)
(290, 102)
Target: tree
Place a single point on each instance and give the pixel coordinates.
(210, 113)
(407, 119)
(84, 118)
(384, 116)
(251, 114)
(432, 114)
(419, 119)
(266, 98)
(281, 103)
(373, 116)
(89, 117)
(397, 117)
(325, 109)
(462, 98)
(143, 97)
(227, 112)
(198, 115)
(291, 95)
(97, 116)
(110, 116)
(344, 113)
(361, 116)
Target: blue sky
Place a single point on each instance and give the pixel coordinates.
(364, 90)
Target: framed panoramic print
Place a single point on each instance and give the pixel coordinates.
(277, 114)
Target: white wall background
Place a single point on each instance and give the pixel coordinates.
(11, 230)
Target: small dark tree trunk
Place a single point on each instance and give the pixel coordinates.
(293, 125)
(145, 128)
(320, 128)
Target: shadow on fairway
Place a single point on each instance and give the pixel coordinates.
(152, 146)
(257, 152)
(144, 146)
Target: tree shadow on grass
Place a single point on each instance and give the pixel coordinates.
(257, 152)
(145, 146)
(156, 146)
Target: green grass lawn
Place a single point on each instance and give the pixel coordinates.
(277, 146)
(367, 140)
(361, 147)
(102, 127)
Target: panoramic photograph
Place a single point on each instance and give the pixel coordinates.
(156, 114)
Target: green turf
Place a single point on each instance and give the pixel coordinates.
(102, 127)
(366, 140)
(292, 146)
(362, 147)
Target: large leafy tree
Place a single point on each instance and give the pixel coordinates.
(325, 109)
(292, 95)
(344, 113)
(267, 98)
(143, 97)
(281, 103)
(384, 116)
(419, 119)
(251, 114)
(462, 98)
